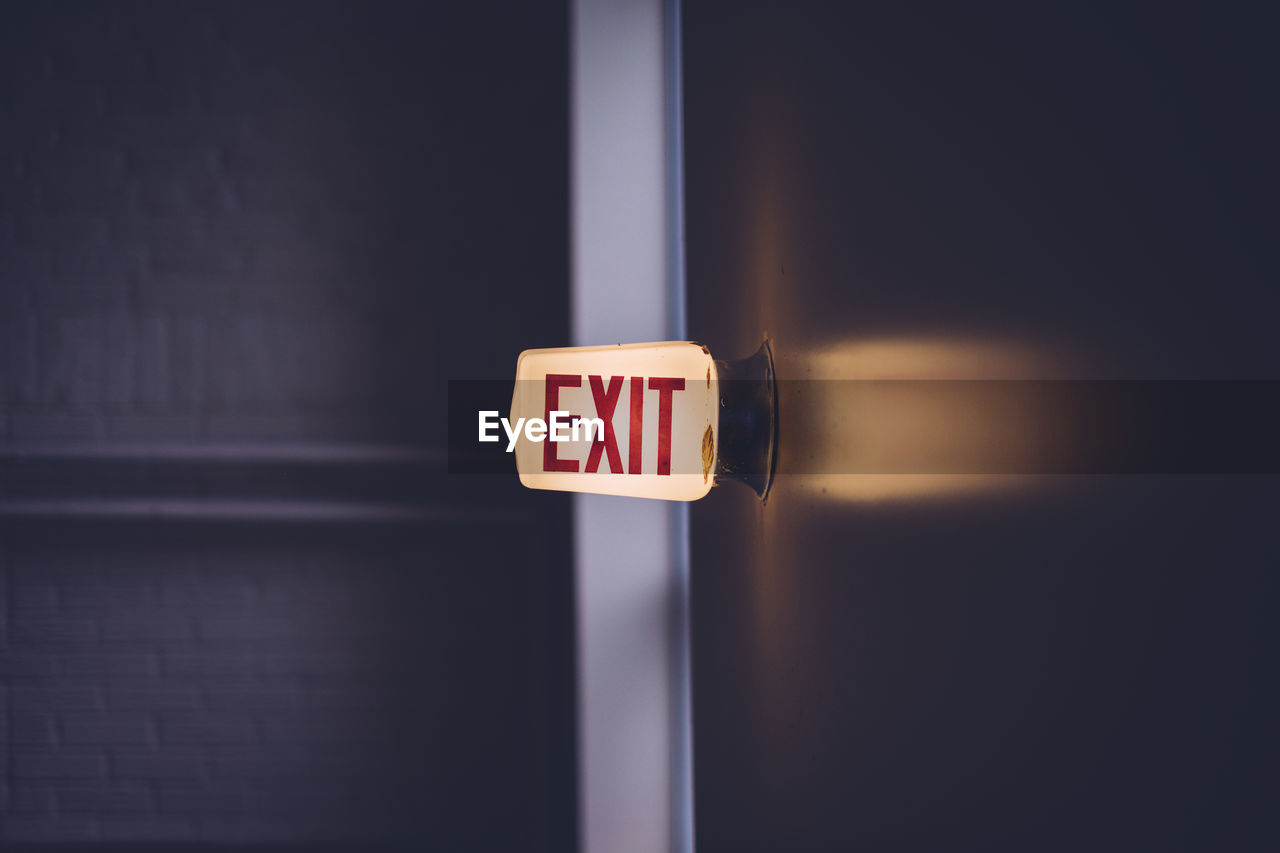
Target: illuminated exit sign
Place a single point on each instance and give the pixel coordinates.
(640, 420)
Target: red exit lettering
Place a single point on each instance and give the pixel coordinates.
(605, 396)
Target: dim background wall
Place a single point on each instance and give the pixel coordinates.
(242, 247)
(983, 190)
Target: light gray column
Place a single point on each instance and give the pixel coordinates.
(632, 555)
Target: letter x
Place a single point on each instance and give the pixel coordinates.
(606, 400)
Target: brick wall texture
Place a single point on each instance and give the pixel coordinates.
(277, 222)
(254, 693)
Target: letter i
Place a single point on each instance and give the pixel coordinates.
(636, 434)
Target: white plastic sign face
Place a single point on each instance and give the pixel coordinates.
(639, 420)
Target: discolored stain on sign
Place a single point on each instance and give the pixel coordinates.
(708, 452)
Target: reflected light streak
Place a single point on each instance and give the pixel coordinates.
(928, 358)
(886, 488)
(837, 429)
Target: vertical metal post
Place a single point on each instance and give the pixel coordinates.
(632, 555)
(677, 329)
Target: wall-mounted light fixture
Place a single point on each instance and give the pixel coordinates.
(657, 420)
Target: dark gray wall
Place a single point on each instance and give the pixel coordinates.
(984, 190)
(242, 247)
